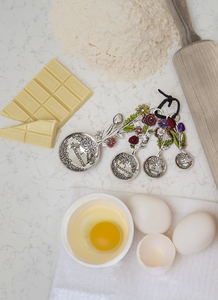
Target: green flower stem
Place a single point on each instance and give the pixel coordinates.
(164, 139)
(121, 130)
(180, 139)
(176, 139)
(181, 136)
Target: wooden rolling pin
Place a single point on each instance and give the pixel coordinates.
(196, 64)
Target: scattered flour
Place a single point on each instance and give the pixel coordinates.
(126, 40)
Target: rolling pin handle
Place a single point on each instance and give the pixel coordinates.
(180, 12)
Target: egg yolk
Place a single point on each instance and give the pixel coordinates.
(105, 236)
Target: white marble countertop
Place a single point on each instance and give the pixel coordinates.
(34, 183)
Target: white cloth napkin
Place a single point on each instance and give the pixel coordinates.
(192, 277)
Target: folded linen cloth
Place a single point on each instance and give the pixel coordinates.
(192, 277)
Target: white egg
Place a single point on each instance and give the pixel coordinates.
(150, 214)
(194, 233)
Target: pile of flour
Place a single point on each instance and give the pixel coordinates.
(126, 40)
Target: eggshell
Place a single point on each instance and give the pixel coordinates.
(194, 233)
(150, 214)
(156, 253)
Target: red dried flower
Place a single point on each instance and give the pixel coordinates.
(134, 140)
(171, 123)
(155, 132)
(138, 130)
(150, 120)
(111, 142)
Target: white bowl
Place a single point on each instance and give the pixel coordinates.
(96, 198)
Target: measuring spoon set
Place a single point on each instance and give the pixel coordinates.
(80, 151)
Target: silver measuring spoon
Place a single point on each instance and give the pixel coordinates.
(80, 151)
(125, 166)
(155, 166)
(183, 160)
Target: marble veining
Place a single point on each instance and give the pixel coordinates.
(34, 183)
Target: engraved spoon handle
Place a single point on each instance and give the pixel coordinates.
(144, 135)
(114, 131)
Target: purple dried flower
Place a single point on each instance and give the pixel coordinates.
(163, 123)
(181, 127)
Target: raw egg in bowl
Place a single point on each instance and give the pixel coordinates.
(97, 230)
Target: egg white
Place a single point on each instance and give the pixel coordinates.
(79, 231)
